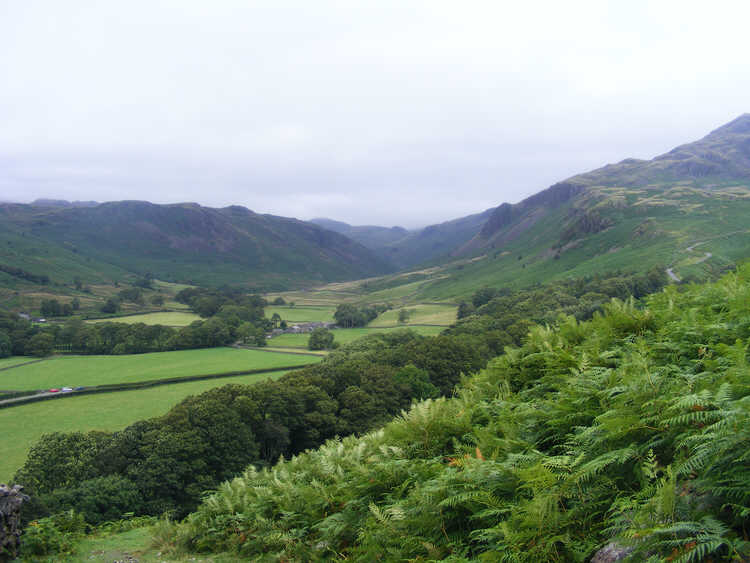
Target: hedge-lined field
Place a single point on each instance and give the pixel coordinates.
(173, 318)
(73, 371)
(102, 411)
(346, 335)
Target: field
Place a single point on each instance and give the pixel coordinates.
(167, 319)
(423, 314)
(73, 371)
(14, 361)
(102, 411)
(347, 335)
(304, 314)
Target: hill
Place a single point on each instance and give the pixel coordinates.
(370, 236)
(685, 211)
(626, 432)
(180, 242)
(405, 248)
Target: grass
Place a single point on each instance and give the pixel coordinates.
(166, 319)
(14, 361)
(302, 314)
(73, 371)
(424, 314)
(102, 411)
(133, 545)
(346, 335)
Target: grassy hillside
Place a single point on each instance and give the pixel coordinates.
(686, 210)
(631, 428)
(181, 242)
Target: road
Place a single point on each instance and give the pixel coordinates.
(670, 271)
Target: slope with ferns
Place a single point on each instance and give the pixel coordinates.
(629, 428)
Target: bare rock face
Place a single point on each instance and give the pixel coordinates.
(611, 553)
(11, 499)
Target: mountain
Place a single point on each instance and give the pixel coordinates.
(370, 236)
(721, 159)
(62, 203)
(686, 211)
(181, 242)
(405, 248)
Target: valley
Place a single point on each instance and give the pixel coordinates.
(507, 369)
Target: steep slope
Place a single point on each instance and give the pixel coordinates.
(187, 242)
(685, 210)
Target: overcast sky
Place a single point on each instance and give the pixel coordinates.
(371, 112)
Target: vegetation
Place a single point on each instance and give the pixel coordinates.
(321, 339)
(182, 242)
(74, 371)
(173, 319)
(100, 412)
(346, 336)
(348, 315)
(631, 427)
(207, 439)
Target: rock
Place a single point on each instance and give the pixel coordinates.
(11, 499)
(610, 553)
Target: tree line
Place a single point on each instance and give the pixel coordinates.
(236, 316)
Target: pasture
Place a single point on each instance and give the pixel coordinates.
(14, 361)
(100, 411)
(304, 314)
(423, 314)
(346, 335)
(173, 318)
(74, 371)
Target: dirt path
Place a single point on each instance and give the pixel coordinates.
(691, 248)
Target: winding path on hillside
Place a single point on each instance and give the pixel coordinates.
(670, 270)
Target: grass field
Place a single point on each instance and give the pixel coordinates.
(102, 411)
(346, 335)
(302, 314)
(73, 371)
(14, 361)
(424, 314)
(166, 319)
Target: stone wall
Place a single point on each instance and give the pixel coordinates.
(11, 499)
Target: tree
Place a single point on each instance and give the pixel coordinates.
(111, 306)
(75, 304)
(50, 308)
(464, 310)
(320, 339)
(276, 320)
(157, 300)
(5, 345)
(403, 316)
(279, 301)
(41, 344)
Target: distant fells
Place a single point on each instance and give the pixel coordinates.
(689, 180)
(630, 215)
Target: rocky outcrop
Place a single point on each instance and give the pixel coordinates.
(11, 499)
(611, 553)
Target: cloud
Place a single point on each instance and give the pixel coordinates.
(373, 112)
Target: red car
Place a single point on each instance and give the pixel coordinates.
(54, 390)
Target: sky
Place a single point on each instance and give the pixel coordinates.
(383, 112)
